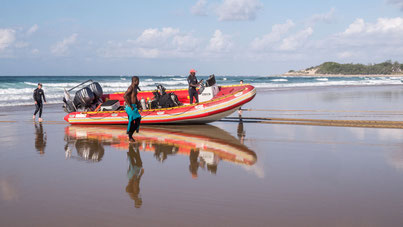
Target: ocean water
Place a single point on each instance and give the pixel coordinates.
(18, 90)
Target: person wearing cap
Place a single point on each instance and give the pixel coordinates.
(193, 83)
(38, 95)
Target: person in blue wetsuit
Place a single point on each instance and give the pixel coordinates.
(131, 108)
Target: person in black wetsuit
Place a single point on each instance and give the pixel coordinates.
(193, 83)
(38, 95)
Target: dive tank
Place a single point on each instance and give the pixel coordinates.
(149, 103)
(143, 103)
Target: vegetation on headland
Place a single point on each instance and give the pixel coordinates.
(384, 68)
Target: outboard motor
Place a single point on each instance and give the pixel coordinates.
(84, 97)
(68, 102)
(87, 98)
(96, 89)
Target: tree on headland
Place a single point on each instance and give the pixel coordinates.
(386, 68)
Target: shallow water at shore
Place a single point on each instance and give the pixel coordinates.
(221, 174)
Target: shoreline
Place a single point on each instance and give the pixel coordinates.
(259, 89)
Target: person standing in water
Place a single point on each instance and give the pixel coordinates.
(131, 103)
(240, 108)
(193, 83)
(38, 95)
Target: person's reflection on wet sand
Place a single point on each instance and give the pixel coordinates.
(40, 138)
(241, 132)
(163, 150)
(194, 163)
(134, 173)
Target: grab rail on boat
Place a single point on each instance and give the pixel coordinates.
(80, 85)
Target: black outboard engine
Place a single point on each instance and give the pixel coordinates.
(84, 97)
(96, 89)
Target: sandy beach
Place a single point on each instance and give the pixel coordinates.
(221, 174)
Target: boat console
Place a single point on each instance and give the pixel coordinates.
(208, 90)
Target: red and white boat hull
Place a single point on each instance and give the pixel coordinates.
(226, 102)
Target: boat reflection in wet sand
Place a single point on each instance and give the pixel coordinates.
(205, 144)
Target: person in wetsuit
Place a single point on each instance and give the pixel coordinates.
(131, 108)
(38, 95)
(193, 83)
(240, 108)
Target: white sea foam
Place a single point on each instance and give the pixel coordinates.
(15, 94)
(279, 80)
(28, 97)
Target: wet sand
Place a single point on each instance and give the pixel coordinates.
(222, 174)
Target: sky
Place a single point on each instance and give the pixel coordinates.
(224, 37)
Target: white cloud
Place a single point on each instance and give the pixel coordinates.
(356, 27)
(199, 8)
(398, 3)
(35, 51)
(185, 42)
(279, 39)
(362, 41)
(219, 42)
(382, 26)
(294, 41)
(268, 40)
(238, 9)
(61, 48)
(155, 37)
(168, 43)
(7, 38)
(325, 17)
(32, 29)
(346, 55)
(153, 43)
